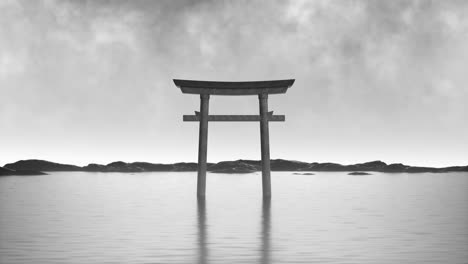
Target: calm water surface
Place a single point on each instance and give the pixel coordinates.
(78, 217)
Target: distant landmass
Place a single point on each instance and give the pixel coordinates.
(39, 167)
(6, 172)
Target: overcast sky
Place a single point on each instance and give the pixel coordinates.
(85, 82)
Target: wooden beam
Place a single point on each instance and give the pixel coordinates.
(234, 118)
(198, 113)
(234, 88)
(232, 91)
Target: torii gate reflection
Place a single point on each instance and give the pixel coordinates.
(260, 88)
(265, 233)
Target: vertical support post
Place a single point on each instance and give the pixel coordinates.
(265, 145)
(202, 237)
(266, 230)
(202, 145)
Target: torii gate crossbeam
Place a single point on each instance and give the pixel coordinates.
(260, 88)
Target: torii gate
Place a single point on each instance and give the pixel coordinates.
(260, 88)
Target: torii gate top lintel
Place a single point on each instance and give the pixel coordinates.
(234, 88)
(260, 88)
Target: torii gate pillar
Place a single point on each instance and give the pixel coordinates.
(265, 145)
(203, 144)
(260, 88)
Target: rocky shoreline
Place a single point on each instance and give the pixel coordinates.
(39, 167)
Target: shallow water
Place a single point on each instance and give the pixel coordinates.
(79, 217)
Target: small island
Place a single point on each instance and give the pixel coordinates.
(304, 173)
(359, 173)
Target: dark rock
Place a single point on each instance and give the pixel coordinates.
(186, 166)
(95, 167)
(287, 165)
(8, 172)
(120, 166)
(303, 173)
(368, 166)
(257, 163)
(421, 169)
(359, 173)
(233, 167)
(41, 165)
(395, 167)
(29, 172)
(146, 166)
(327, 166)
(454, 168)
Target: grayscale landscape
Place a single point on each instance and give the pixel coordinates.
(216, 131)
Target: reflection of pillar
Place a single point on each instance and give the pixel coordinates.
(266, 251)
(265, 145)
(201, 214)
(203, 144)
